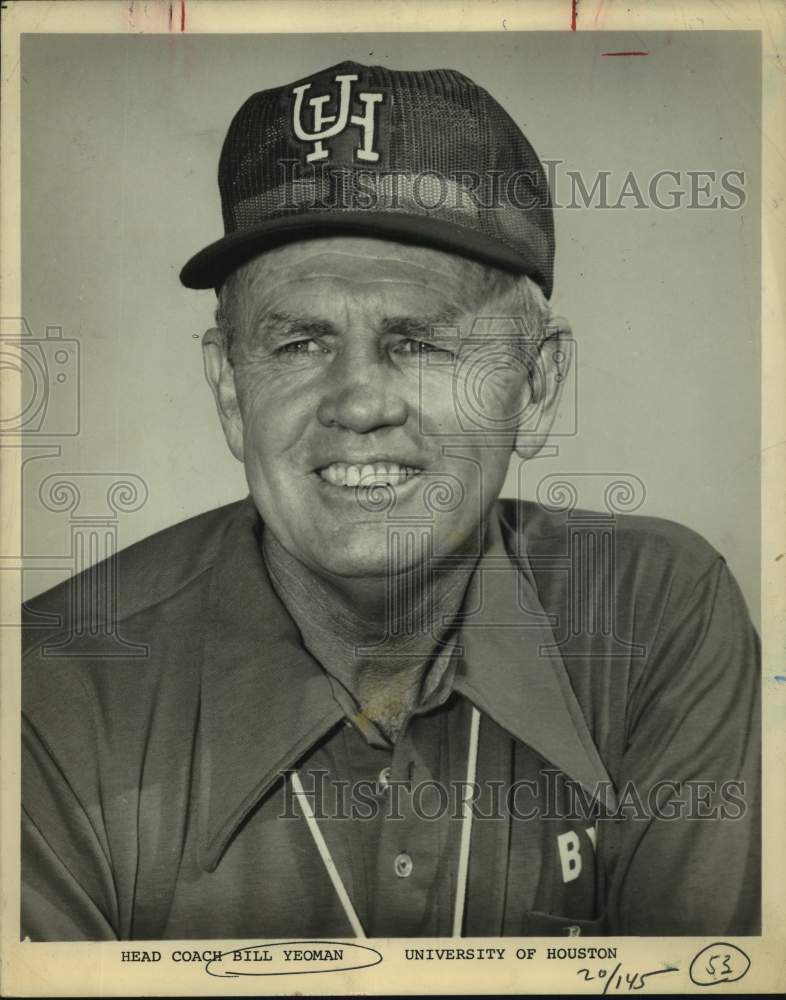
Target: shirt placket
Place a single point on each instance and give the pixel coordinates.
(406, 861)
(400, 864)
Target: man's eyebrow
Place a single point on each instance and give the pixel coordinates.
(419, 326)
(280, 324)
(284, 324)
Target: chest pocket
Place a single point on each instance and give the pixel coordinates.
(552, 879)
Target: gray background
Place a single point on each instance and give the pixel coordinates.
(120, 143)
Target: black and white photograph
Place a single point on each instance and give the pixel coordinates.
(389, 446)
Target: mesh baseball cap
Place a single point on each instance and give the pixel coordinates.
(425, 157)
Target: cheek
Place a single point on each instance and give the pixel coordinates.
(484, 399)
(435, 403)
(274, 427)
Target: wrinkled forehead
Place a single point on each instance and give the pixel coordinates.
(363, 270)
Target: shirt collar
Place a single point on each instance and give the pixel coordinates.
(512, 671)
(265, 701)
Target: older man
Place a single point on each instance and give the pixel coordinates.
(355, 715)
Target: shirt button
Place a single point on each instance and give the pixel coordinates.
(403, 865)
(384, 777)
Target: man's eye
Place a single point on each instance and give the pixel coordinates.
(423, 347)
(301, 347)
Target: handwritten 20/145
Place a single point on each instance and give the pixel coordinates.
(618, 979)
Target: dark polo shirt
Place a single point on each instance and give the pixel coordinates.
(167, 695)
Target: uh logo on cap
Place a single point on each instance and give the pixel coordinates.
(324, 125)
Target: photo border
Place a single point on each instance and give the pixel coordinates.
(95, 969)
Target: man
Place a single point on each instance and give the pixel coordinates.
(373, 700)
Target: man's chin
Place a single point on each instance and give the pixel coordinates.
(359, 562)
(367, 551)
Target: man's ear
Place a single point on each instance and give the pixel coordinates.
(220, 376)
(548, 371)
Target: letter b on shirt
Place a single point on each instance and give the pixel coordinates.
(569, 855)
(569, 849)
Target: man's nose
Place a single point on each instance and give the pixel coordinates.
(360, 394)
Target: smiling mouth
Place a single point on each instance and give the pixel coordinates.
(367, 475)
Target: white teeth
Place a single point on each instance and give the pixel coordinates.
(367, 475)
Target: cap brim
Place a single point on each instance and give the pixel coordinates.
(211, 266)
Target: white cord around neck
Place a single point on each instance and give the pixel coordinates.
(466, 837)
(466, 823)
(327, 857)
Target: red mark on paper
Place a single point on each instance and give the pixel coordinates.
(182, 15)
(625, 53)
(574, 14)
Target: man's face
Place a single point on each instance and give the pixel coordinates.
(359, 427)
